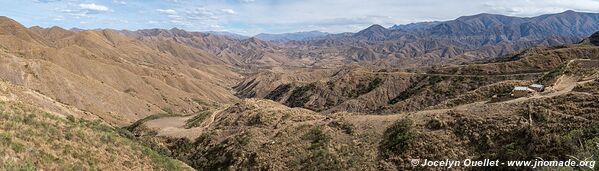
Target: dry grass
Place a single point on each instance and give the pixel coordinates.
(33, 140)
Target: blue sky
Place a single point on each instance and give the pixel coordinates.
(249, 17)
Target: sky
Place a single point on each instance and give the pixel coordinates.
(250, 17)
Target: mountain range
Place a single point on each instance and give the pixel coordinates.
(171, 99)
(456, 41)
(285, 37)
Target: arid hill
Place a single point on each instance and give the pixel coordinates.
(116, 77)
(31, 139)
(558, 124)
(220, 103)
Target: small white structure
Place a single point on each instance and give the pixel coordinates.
(537, 87)
(521, 91)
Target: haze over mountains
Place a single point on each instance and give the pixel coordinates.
(431, 43)
(370, 100)
(286, 37)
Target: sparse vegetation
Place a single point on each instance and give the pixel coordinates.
(149, 118)
(591, 87)
(34, 140)
(436, 79)
(197, 119)
(278, 92)
(414, 88)
(397, 138)
(320, 158)
(300, 96)
(345, 127)
(551, 76)
(255, 120)
(435, 124)
(363, 89)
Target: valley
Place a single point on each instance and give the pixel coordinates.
(170, 99)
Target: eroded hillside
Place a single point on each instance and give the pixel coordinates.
(559, 124)
(116, 77)
(434, 116)
(358, 89)
(219, 103)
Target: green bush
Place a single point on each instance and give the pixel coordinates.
(320, 157)
(397, 137)
(5, 138)
(435, 79)
(552, 75)
(149, 118)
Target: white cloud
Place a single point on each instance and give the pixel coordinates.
(167, 11)
(119, 2)
(93, 7)
(45, 1)
(228, 11)
(278, 16)
(537, 7)
(58, 18)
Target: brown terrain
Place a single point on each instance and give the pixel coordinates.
(218, 103)
(440, 114)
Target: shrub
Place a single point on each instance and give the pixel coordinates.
(320, 158)
(413, 89)
(397, 137)
(435, 79)
(552, 75)
(435, 124)
(363, 89)
(347, 128)
(149, 118)
(202, 138)
(5, 138)
(197, 119)
(71, 118)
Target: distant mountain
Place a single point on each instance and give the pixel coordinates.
(228, 34)
(497, 28)
(464, 39)
(285, 37)
(373, 33)
(415, 26)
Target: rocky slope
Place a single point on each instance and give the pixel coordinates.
(261, 134)
(357, 89)
(437, 116)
